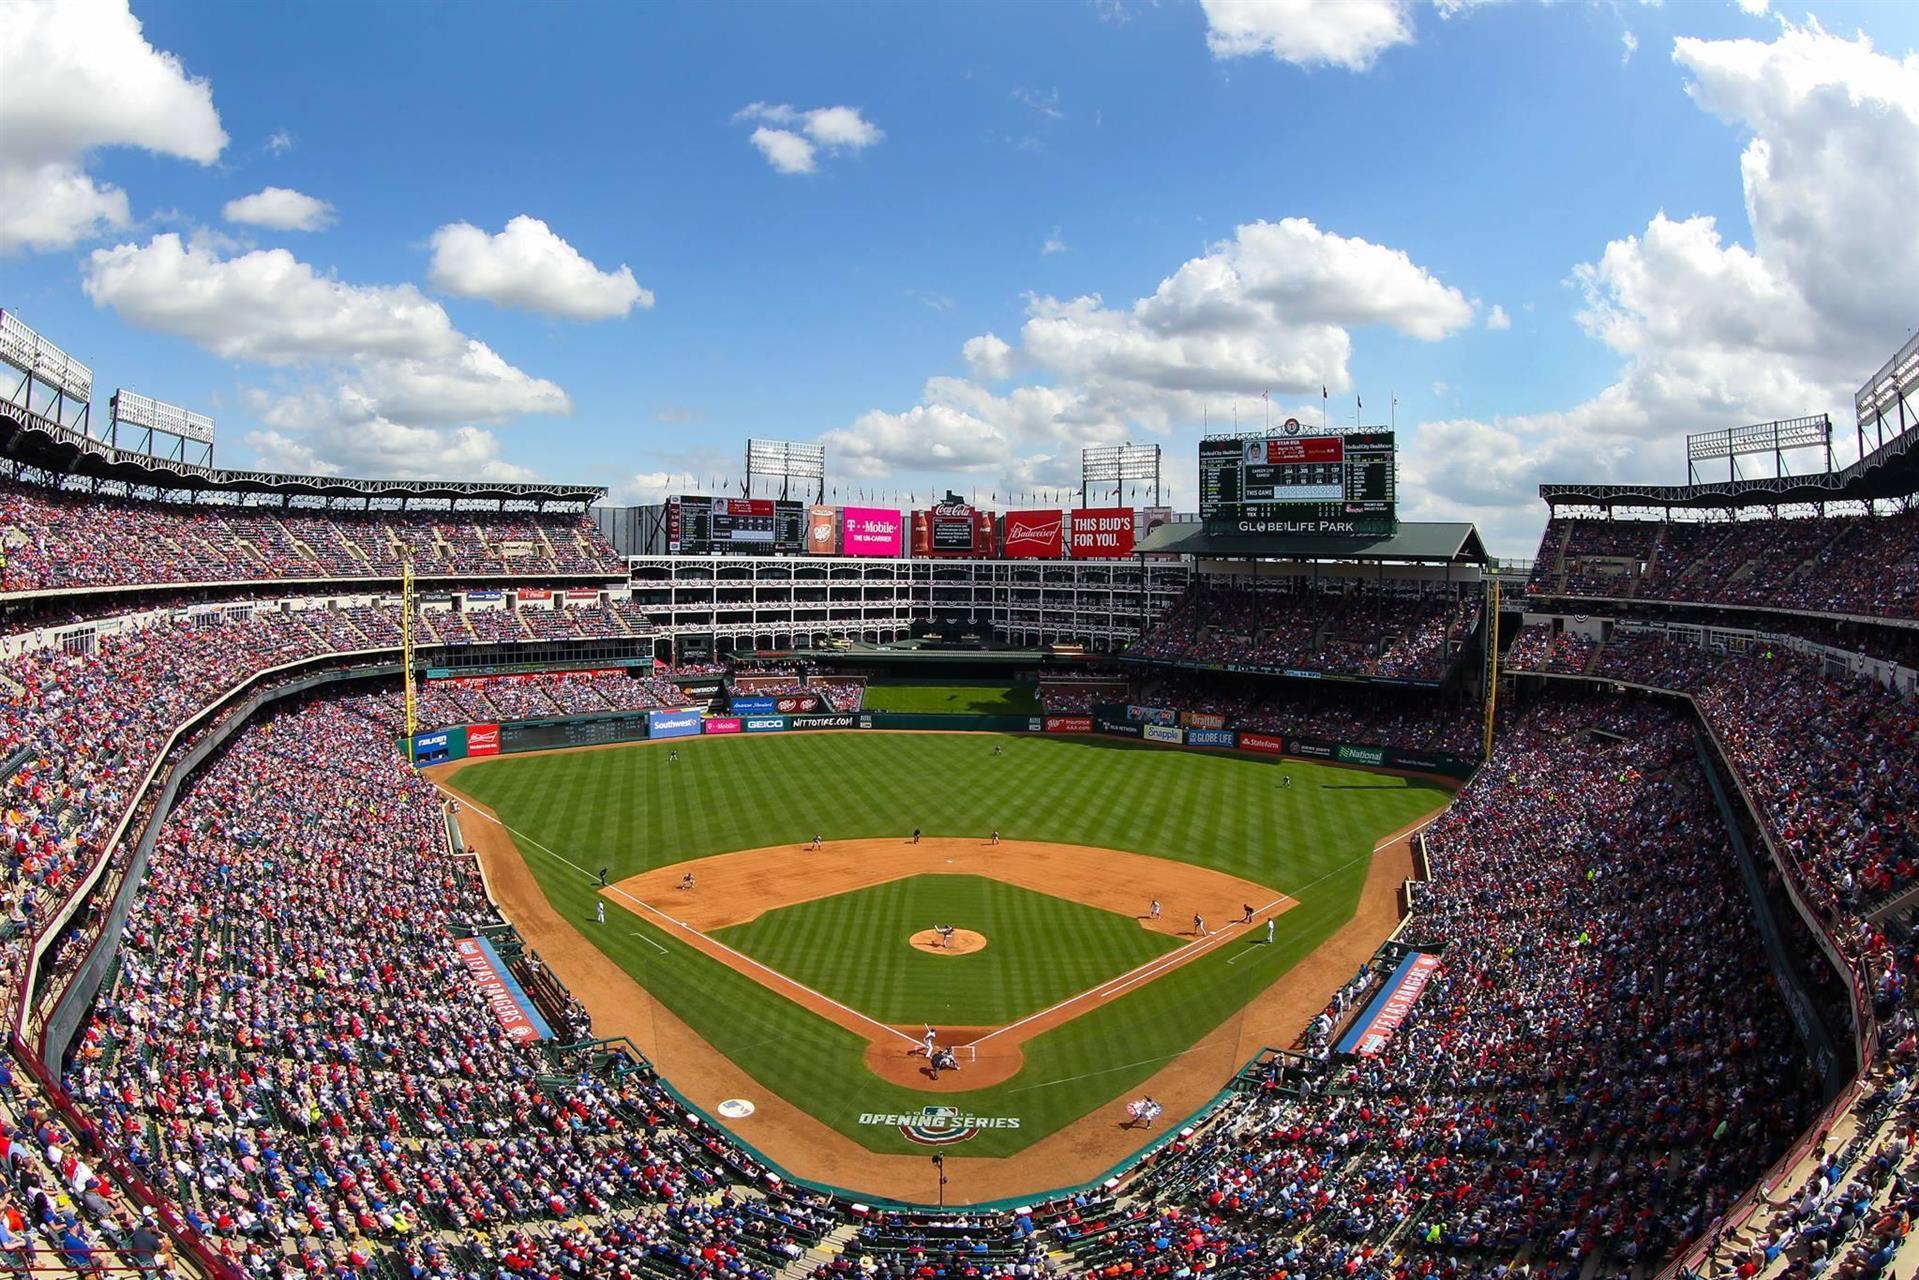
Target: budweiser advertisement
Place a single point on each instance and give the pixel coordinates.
(1102, 533)
(1034, 535)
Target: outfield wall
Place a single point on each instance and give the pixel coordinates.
(1146, 724)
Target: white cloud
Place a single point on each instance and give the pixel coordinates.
(1498, 319)
(644, 487)
(1340, 33)
(79, 75)
(1754, 7)
(1047, 103)
(382, 371)
(989, 357)
(1269, 309)
(1712, 332)
(786, 152)
(279, 142)
(1053, 243)
(792, 140)
(378, 449)
(1630, 44)
(281, 208)
(530, 267)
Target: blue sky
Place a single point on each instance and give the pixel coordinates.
(1457, 205)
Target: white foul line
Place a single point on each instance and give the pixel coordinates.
(681, 924)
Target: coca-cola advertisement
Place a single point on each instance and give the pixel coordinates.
(1034, 535)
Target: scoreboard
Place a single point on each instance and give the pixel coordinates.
(1313, 485)
(698, 526)
(544, 734)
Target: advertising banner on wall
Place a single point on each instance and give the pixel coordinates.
(822, 531)
(720, 724)
(1369, 1033)
(672, 724)
(1202, 720)
(823, 722)
(533, 593)
(789, 703)
(763, 724)
(869, 531)
(1164, 733)
(504, 995)
(1264, 743)
(1209, 737)
(1118, 728)
(751, 706)
(1069, 724)
(1034, 535)
(1151, 715)
(483, 739)
(1101, 533)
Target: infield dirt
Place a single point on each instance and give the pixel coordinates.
(807, 1147)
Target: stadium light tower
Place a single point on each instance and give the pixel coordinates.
(55, 391)
(1114, 464)
(787, 462)
(184, 430)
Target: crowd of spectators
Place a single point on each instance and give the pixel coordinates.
(1599, 1066)
(1866, 566)
(52, 539)
(292, 1050)
(1356, 629)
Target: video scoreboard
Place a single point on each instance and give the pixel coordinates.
(698, 526)
(1312, 485)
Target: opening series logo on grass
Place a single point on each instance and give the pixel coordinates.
(937, 1126)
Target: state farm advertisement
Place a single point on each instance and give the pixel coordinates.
(869, 531)
(483, 739)
(1034, 535)
(1102, 533)
(1262, 742)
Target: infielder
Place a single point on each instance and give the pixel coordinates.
(816, 843)
(1199, 925)
(686, 881)
(1152, 912)
(996, 835)
(1246, 909)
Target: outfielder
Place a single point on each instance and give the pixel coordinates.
(599, 912)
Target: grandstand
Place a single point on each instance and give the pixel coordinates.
(1670, 922)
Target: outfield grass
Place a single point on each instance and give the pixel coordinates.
(972, 699)
(631, 810)
(1039, 951)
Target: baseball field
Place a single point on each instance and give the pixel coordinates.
(980, 698)
(815, 972)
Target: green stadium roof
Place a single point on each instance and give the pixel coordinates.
(1445, 541)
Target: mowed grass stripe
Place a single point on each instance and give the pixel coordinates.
(1221, 811)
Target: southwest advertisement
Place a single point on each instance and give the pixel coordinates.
(672, 724)
(869, 531)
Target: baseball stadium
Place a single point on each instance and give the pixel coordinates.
(1200, 852)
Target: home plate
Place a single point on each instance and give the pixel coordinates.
(735, 1108)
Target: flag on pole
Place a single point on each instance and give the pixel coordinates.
(1322, 393)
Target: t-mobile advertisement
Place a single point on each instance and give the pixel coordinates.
(722, 724)
(869, 531)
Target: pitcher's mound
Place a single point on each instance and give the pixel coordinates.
(965, 942)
